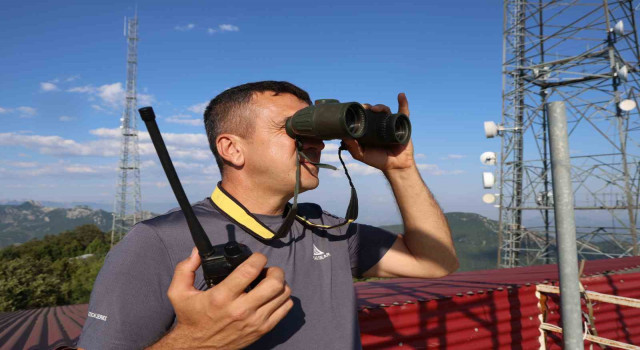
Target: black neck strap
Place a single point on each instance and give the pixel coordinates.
(239, 215)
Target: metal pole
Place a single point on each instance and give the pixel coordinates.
(565, 227)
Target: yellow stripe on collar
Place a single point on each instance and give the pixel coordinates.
(240, 214)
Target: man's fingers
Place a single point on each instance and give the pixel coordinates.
(269, 288)
(185, 273)
(354, 148)
(242, 276)
(403, 104)
(279, 314)
(276, 302)
(381, 108)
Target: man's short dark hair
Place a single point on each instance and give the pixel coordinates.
(230, 111)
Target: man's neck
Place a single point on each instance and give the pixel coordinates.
(254, 197)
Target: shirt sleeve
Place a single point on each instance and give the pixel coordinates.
(129, 307)
(367, 245)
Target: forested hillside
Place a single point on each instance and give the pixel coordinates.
(56, 270)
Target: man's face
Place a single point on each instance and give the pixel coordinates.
(271, 156)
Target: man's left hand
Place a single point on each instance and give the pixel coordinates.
(394, 157)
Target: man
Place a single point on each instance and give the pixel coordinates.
(307, 298)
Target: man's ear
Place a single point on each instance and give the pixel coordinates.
(230, 149)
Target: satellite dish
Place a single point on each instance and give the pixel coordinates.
(490, 129)
(488, 158)
(623, 72)
(619, 28)
(627, 105)
(488, 180)
(488, 198)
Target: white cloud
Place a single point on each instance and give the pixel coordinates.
(329, 147)
(22, 169)
(228, 28)
(190, 140)
(98, 108)
(23, 164)
(48, 86)
(185, 28)
(72, 78)
(82, 89)
(454, 156)
(198, 107)
(435, 170)
(22, 111)
(184, 119)
(65, 118)
(420, 156)
(223, 28)
(333, 157)
(112, 96)
(356, 169)
(26, 112)
(79, 169)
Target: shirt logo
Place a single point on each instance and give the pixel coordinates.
(319, 254)
(97, 316)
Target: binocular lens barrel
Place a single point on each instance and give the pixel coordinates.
(354, 121)
(330, 119)
(402, 129)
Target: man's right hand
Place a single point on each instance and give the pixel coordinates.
(225, 317)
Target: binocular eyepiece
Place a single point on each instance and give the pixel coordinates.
(329, 119)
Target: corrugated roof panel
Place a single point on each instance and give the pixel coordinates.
(45, 328)
(482, 309)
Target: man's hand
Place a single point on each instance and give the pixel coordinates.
(396, 157)
(225, 317)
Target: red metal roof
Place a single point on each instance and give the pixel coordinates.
(480, 309)
(483, 309)
(45, 328)
(371, 294)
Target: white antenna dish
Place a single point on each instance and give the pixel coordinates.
(488, 180)
(488, 158)
(623, 72)
(619, 28)
(627, 105)
(490, 129)
(488, 198)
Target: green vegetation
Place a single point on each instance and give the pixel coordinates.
(53, 271)
(50, 271)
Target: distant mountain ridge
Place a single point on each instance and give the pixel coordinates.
(474, 235)
(22, 222)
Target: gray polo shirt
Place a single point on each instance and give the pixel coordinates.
(129, 307)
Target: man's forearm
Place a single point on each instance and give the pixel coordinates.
(426, 232)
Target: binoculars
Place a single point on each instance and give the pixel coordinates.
(329, 119)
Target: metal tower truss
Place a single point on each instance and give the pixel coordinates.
(127, 205)
(586, 54)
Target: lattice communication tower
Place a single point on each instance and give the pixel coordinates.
(128, 202)
(586, 54)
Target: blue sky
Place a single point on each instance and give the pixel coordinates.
(63, 73)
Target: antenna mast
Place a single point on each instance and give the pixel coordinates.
(585, 53)
(128, 202)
